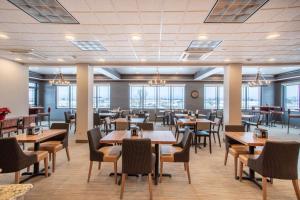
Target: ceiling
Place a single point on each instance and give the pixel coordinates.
(165, 29)
(162, 70)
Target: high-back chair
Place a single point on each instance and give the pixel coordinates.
(70, 119)
(137, 158)
(27, 120)
(178, 128)
(120, 126)
(97, 122)
(102, 152)
(57, 143)
(278, 160)
(146, 126)
(217, 125)
(203, 129)
(8, 126)
(177, 153)
(16, 159)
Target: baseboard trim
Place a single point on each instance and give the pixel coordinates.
(81, 141)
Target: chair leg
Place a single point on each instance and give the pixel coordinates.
(214, 137)
(241, 171)
(90, 171)
(28, 169)
(226, 157)
(196, 143)
(161, 171)
(296, 188)
(150, 185)
(68, 153)
(209, 140)
(17, 177)
(188, 171)
(184, 166)
(115, 171)
(99, 166)
(264, 187)
(46, 166)
(53, 162)
(219, 139)
(122, 185)
(235, 166)
(50, 156)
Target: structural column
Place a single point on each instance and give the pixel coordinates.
(84, 114)
(232, 94)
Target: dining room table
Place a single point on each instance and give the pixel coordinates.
(252, 141)
(131, 120)
(110, 114)
(192, 122)
(157, 138)
(36, 140)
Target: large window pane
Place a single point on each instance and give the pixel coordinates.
(291, 96)
(220, 97)
(177, 97)
(63, 96)
(250, 97)
(136, 96)
(73, 96)
(164, 97)
(33, 89)
(103, 96)
(210, 97)
(149, 97)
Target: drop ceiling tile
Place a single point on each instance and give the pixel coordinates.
(100, 6)
(85, 18)
(189, 29)
(129, 17)
(149, 5)
(108, 18)
(70, 6)
(172, 17)
(15, 16)
(125, 5)
(133, 29)
(174, 5)
(151, 28)
(196, 5)
(114, 29)
(194, 17)
(150, 17)
(170, 28)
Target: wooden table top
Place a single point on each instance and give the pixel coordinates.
(132, 120)
(248, 116)
(247, 138)
(157, 137)
(107, 114)
(193, 122)
(181, 115)
(46, 134)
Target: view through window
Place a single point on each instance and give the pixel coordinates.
(101, 96)
(291, 96)
(33, 90)
(213, 96)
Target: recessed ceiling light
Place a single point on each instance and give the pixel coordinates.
(70, 37)
(3, 36)
(272, 36)
(101, 60)
(60, 60)
(233, 11)
(46, 11)
(271, 59)
(136, 37)
(143, 60)
(89, 45)
(18, 59)
(202, 37)
(227, 60)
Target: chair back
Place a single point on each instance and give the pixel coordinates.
(141, 115)
(146, 126)
(64, 138)
(12, 158)
(94, 136)
(107, 120)
(185, 144)
(120, 126)
(96, 119)
(27, 120)
(234, 128)
(67, 116)
(203, 126)
(172, 116)
(278, 160)
(9, 123)
(137, 156)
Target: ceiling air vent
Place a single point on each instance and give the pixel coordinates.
(26, 53)
(45, 11)
(233, 11)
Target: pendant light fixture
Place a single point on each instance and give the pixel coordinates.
(157, 81)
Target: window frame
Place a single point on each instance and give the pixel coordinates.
(69, 96)
(247, 97)
(96, 95)
(284, 95)
(217, 98)
(35, 87)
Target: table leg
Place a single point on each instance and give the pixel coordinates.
(156, 164)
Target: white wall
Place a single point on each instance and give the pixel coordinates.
(14, 87)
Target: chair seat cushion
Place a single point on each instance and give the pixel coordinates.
(181, 130)
(245, 157)
(111, 153)
(167, 153)
(202, 133)
(40, 155)
(50, 146)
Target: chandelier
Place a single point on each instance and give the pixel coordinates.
(59, 80)
(259, 81)
(157, 81)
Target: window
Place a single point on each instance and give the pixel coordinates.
(66, 96)
(250, 96)
(292, 96)
(33, 90)
(213, 97)
(165, 97)
(101, 96)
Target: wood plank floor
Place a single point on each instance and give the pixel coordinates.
(211, 180)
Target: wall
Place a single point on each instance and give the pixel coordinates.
(267, 94)
(14, 87)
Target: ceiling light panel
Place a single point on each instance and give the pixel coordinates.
(233, 11)
(89, 45)
(45, 11)
(203, 45)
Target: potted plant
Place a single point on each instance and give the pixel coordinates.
(3, 112)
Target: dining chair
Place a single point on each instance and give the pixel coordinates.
(137, 158)
(278, 160)
(102, 152)
(179, 152)
(41, 115)
(108, 125)
(8, 126)
(146, 126)
(178, 128)
(26, 121)
(56, 143)
(70, 119)
(217, 124)
(97, 122)
(16, 159)
(121, 126)
(203, 129)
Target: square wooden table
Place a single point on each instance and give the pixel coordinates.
(157, 138)
(103, 115)
(37, 139)
(190, 122)
(251, 140)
